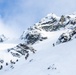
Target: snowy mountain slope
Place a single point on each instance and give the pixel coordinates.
(48, 60)
(10, 56)
(49, 23)
(48, 49)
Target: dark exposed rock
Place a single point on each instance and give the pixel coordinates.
(1, 67)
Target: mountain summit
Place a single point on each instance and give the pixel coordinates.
(48, 48)
(50, 23)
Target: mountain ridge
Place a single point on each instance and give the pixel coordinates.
(50, 23)
(48, 48)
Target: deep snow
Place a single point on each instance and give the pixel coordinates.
(48, 60)
(50, 57)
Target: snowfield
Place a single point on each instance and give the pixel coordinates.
(47, 48)
(4, 46)
(48, 60)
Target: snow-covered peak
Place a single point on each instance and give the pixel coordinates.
(48, 49)
(52, 15)
(50, 23)
(49, 17)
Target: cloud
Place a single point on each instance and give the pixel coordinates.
(6, 30)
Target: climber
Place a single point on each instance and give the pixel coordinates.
(1, 67)
(53, 44)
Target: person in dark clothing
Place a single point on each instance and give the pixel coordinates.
(53, 44)
(1, 67)
(6, 64)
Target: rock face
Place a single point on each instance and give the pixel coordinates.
(49, 23)
(21, 49)
(2, 38)
(67, 36)
(33, 36)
